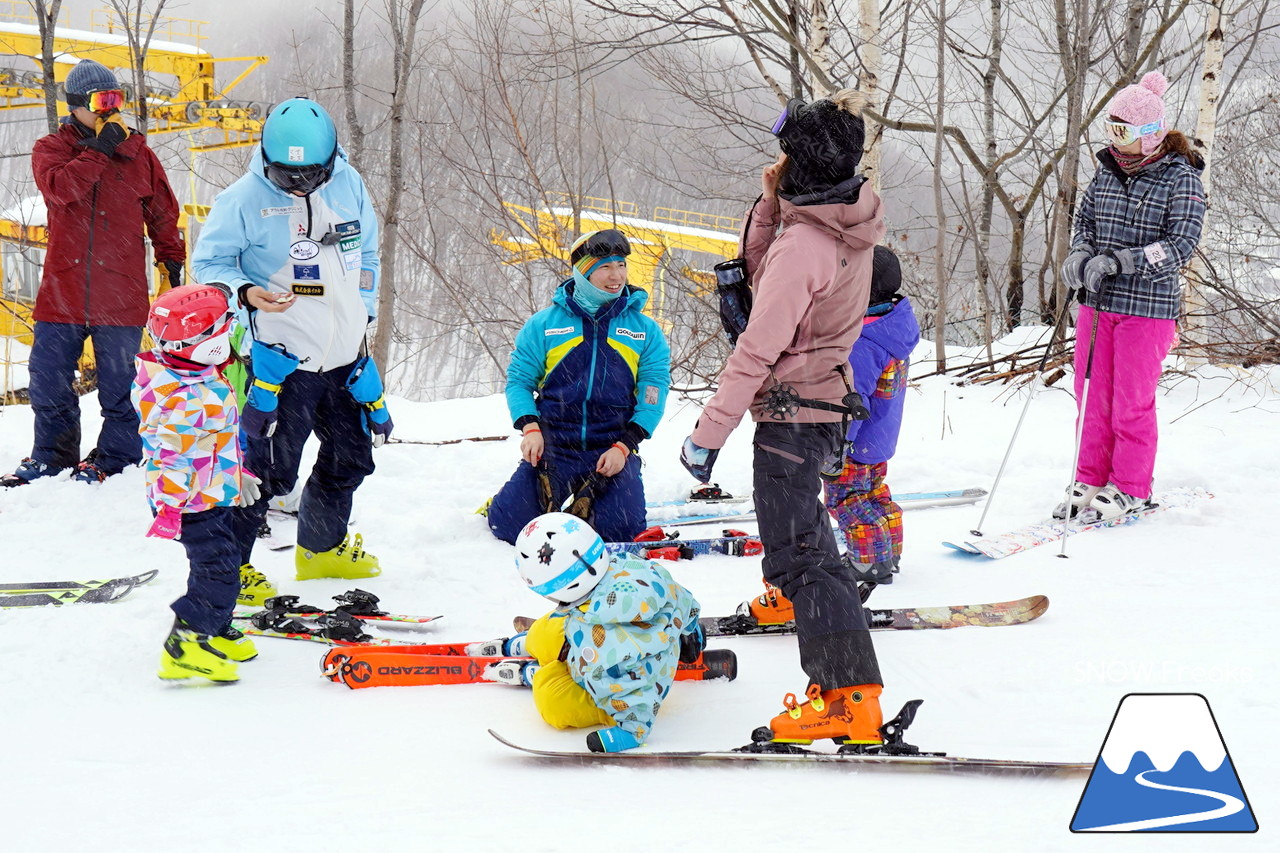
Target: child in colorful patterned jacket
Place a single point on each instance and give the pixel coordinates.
(196, 482)
(856, 494)
(607, 655)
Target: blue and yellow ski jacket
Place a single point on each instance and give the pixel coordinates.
(590, 381)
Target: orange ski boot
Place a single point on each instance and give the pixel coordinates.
(848, 715)
(771, 608)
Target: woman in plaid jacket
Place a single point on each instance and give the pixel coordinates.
(1136, 228)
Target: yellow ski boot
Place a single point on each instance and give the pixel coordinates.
(255, 589)
(188, 654)
(234, 644)
(349, 560)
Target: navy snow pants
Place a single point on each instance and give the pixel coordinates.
(212, 541)
(618, 511)
(54, 353)
(320, 403)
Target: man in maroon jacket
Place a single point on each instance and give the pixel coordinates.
(101, 185)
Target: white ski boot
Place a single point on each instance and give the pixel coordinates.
(517, 673)
(1111, 503)
(1082, 495)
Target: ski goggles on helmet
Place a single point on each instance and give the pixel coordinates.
(1123, 133)
(211, 346)
(788, 114)
(299, 179)
(104, 100)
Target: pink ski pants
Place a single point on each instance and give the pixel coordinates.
(1118, 444)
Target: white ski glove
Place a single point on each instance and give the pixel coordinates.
(250, 488)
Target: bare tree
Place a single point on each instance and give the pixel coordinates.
(47, 20)
(870, 56)
(1195, 305)
(403, 17)
(139, 26)
(355, 129)
(940, 251)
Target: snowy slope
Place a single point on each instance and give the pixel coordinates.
(100, 755)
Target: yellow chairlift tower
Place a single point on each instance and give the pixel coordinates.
(181, 93)
(547, 232)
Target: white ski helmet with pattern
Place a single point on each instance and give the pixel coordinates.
(560, 557)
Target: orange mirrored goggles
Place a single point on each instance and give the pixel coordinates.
(105, 100)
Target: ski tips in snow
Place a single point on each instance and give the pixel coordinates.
(42, 593)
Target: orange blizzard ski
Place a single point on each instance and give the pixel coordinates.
(398, 667)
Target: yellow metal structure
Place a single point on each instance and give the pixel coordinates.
(181, 95)
(549, 231)
(190, 102)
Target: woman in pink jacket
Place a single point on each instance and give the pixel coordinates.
(808, 246)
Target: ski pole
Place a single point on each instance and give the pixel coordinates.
(1084, 407)
(1035, 388)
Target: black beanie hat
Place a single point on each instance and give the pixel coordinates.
(823, 143)
(886, 275)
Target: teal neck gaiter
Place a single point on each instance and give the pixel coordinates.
(589, 297)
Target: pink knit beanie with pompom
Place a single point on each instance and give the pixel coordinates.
(1143, 104)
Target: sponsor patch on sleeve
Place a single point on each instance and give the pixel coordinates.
(1155, 253)
(651, 395)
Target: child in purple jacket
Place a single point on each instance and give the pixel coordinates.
(857, 496)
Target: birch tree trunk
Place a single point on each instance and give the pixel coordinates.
(404, 30)
(1194, 304)
(820, 46)
(990, 174)
(869, 83)
(940, 251)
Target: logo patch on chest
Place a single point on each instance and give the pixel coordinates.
(304, 250)
(627, 333)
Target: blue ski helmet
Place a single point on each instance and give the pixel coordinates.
(299, 144)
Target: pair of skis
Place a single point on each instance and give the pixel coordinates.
(286, 617)
(56, 593)
(655, 543)
(1022, 539)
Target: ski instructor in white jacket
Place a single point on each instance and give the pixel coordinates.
(296, 239)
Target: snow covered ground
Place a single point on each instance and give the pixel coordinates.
(100, 755)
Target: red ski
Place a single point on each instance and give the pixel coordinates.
(402, 667)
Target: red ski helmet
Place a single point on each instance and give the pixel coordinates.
(192, 323)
